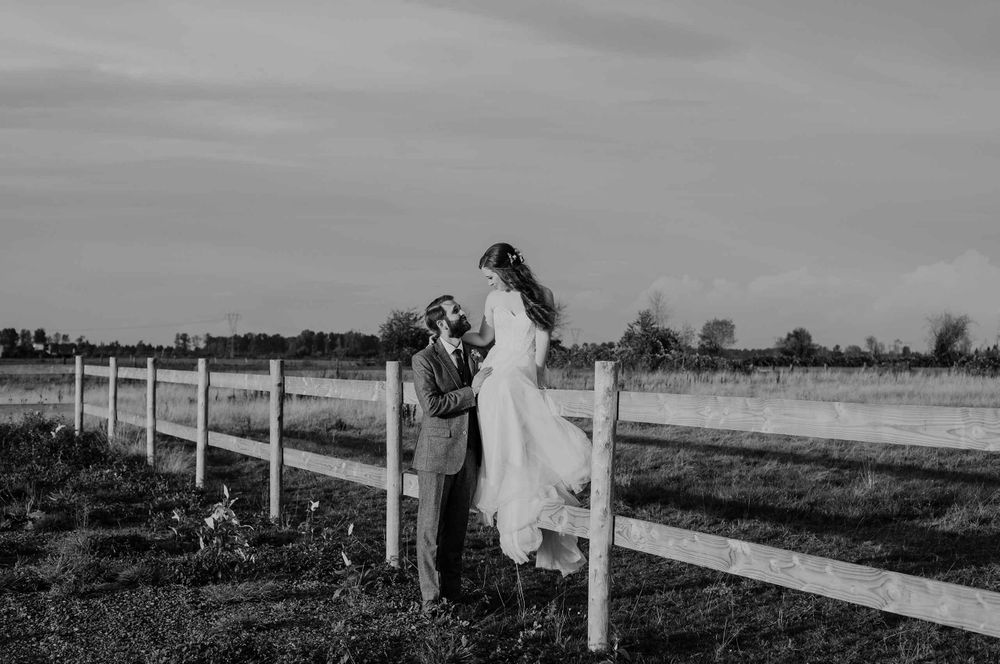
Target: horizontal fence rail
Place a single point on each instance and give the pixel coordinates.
(931, 426)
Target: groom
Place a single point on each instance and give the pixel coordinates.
(448, 450)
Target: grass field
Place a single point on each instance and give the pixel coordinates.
(928, 512)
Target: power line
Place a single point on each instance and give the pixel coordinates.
(233, 319)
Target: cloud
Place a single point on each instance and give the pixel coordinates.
(600, 30)
(591, 300)
(839, 308)
(801, 283)
(966, 285)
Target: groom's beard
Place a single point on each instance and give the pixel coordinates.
(458, 327)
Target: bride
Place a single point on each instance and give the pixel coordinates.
(532, 457)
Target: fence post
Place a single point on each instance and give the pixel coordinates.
(151, 412)
(602, 520)
(393, 467)
(202, 438)
(112, 396)
(78, 397)
(277, 424)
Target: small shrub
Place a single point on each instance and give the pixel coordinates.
(43, 444)
(223, 536)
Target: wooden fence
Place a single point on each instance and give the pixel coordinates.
(931, 426)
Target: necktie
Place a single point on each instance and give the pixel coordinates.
(463, 369)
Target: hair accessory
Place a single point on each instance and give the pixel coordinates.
(515, 258)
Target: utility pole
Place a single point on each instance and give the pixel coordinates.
(233, 319)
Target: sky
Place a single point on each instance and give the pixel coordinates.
(315, 165)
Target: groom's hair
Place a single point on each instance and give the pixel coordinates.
(435, 312)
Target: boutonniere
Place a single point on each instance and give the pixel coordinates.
(477, 358)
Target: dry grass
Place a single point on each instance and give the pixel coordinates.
(237, 410)
(927, 512)
(919, 387)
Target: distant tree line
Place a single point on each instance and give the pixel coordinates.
(306, 344)
(647, 343)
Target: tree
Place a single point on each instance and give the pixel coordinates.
(645, 344)
(8, 337)
(25, 340)
(686, 336)
(305, 343)
(875, 347)
(182, 341)
(40, 336)
(658, 308)
(716, 335)
(797, 344)
(854, 352)
(948, 336)
(402, 334)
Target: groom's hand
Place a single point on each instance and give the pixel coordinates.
(477, 380)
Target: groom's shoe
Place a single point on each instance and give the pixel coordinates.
(434, 606)
(457, 598)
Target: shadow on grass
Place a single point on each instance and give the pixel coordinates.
(819, 458)
(906, 546)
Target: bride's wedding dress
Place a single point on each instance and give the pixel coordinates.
(532, 457)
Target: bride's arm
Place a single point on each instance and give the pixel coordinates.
(542, 338)
(486, 333)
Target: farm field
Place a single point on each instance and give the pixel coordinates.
(927, 512)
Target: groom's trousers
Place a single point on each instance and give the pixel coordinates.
(442, 520)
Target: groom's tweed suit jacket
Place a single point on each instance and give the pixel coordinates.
(446, 430)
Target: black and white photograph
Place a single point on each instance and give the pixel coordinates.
(500, 331)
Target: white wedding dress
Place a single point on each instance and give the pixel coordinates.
(532, 457)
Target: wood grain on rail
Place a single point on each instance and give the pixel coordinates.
(245, 446)
(135, 420)
(409, 394)
(411, 487)
(352, 471)
(131, 373)
(930, 426)
(573, 403)
(174, 376)
(223, 441)
(177, 431)
(567, 520)
(235, 381)
(335, 388)
(935, 601)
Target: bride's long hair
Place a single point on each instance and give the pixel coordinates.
(509, 265)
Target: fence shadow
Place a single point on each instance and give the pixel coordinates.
(821, 457)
